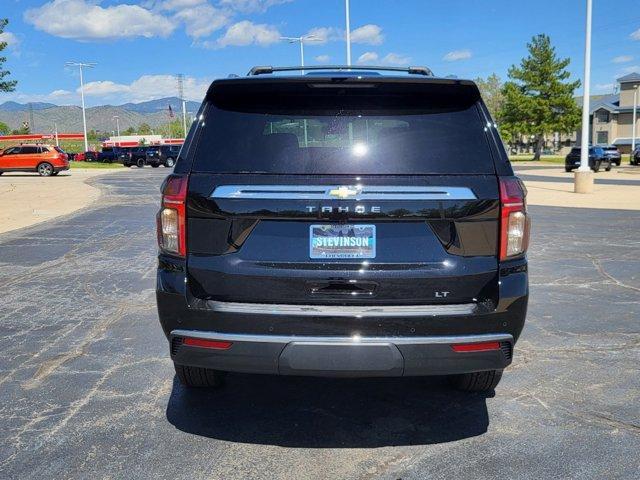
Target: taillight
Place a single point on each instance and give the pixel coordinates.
(171, 219)
(514, 221)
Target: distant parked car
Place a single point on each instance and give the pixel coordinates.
(597, 159)
(46, 160)
(612, 152)
(113, 154)
(635, 157)
(89, 156)
(136, 156)
(163, 155)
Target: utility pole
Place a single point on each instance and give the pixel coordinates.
(633, 124)
(180, 78)
(584, 176)
(80, 66)
(346, 7)
(117, 119)
(301, 40)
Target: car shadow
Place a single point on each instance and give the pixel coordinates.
(329, 413)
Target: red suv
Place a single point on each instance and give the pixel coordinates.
(45, 159)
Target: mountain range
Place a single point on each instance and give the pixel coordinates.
(100, 118)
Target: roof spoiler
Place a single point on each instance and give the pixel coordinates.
(265, 70)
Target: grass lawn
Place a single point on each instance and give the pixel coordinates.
(544, 159)
(79, 165)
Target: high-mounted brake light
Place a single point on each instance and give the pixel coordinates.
(172, 217)
(514, 221)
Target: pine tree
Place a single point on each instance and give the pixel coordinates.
(539, 99)
(5, 85)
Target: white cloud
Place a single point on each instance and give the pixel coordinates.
(368, 34)
(395, 59)
(252, 6)
(368, 57)
(82, 20)
(247, 33)
(630, 69)
(179, 4)
(325, 34)
(456, 55)
(635, 35)
(10, 39)
(622, 59)
(322, 58)
(604, 87)
(201, 20)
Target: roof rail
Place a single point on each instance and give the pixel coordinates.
(264, 70)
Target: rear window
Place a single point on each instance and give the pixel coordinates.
(307, 129)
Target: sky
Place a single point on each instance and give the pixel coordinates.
(139, 45)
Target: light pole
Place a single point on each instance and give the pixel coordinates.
(633, 123)
(583, 176)
(81, 65)
(301, 40)
(346, 8)
(117, 119)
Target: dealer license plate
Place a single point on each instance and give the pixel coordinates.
(342, 241)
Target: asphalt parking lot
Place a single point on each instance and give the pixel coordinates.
(87, 388)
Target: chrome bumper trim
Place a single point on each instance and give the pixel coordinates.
(342, 311)
(355, 339)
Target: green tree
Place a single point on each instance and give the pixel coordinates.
(172, 129)
(4, 129)
(538, 98)
(129, 131)
(144, 129)
(5, 85)
(491, 90)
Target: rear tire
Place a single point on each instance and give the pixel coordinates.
(568, 170)
(45, 169)
(596, 167)
(198, 377)
(140, 163)
(477, 381)
(608, 168)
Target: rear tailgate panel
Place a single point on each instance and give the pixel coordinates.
(428, 251)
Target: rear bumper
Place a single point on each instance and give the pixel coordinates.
(341, 356)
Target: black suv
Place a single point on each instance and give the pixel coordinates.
(112, 154)
(163, 155)
(135, 156)
(597, 159)
(343, 224)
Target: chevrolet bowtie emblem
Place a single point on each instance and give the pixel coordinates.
(344, 192)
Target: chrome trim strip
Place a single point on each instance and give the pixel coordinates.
(355, 339)
(340, 192)
(342, 311)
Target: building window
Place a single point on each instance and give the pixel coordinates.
(602, 116)
(603, 138)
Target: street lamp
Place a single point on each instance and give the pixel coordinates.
(583, 176)
(301, 40)
(81, 65)
(117, 119)
(633, 124)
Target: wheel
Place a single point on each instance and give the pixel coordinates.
(608, 168)
(169, 162)
(140, 163)
(596, 167)
(155, 165)
(568, 170)
(198, 377)
(477, 381)
(45, 169)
